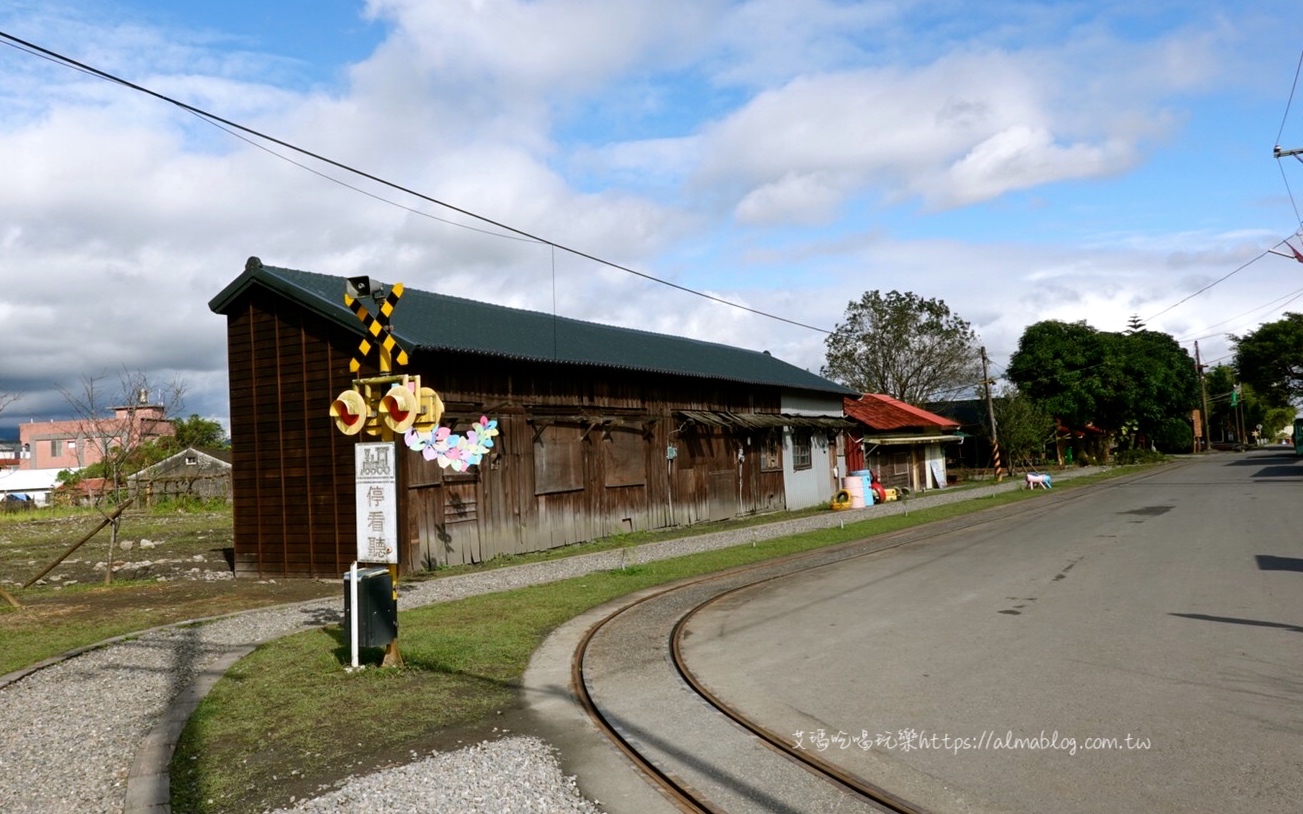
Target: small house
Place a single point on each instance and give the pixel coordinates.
(192, 473)
(901, 443)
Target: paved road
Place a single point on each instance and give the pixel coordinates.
(1163, 613)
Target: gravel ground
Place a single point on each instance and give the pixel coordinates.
(499, 777)
(71, 732)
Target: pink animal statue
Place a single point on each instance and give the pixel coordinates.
(1042, 480)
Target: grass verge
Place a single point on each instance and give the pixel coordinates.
(165, 563)
(288, 721)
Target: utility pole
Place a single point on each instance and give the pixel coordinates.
(1203, 395)
(990, 411)
(1237, 397)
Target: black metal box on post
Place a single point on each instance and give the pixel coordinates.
(377, 618)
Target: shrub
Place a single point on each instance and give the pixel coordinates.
(1138, 456)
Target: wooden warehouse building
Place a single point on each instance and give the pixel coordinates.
(602, 430)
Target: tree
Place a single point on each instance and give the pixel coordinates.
(1130, 385)
(1024, 427)
(119, 439)
(1270, 359)
(8, 398)
(1055, 365)
(118, 429)
(1223, 418)
(904, 346)
(199, 433)
(1237, 418)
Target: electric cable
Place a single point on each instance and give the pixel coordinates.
(1288, 298)
(1216, 282)
(60, 59)
(1290, 100)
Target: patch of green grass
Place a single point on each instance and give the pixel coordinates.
(290, 710)
(26, 645)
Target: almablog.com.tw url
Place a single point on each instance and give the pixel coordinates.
(910, 740)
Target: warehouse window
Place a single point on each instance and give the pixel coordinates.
(559, 460)
(625, 457)
(801, 455)
(771, 455)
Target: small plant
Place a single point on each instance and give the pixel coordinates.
(188, 504)
(1138, 456)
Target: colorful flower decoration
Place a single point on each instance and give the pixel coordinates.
(452, 451)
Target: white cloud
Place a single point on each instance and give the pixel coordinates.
(795, 198)
(540, 48)
(1020, 157)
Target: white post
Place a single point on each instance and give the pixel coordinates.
(352, 617)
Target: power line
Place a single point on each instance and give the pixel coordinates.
(1290, 101)
(1213, 283)
(1282, 153)
(1288, 298)
(65, 61)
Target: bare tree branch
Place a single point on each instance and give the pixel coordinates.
(8, 398)
(115, 427)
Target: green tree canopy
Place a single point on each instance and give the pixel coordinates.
(1270, 359)
(904, 346)
(1056, 365)
(1024, 428)
(1123, 383)
(1226, 420)
(200, 433)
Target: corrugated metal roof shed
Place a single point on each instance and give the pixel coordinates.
(885, 414)
(425, 321)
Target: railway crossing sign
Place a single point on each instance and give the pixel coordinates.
(387, 404)
(373, 344)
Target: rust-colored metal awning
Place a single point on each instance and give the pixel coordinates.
(760, 421)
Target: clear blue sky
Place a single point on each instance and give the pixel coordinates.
(1019, 160)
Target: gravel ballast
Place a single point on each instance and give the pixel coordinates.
(72, 731)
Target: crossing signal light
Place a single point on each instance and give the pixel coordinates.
(431, 411)
(350, 412)
(399, 408)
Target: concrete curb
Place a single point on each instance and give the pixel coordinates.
(149, 781)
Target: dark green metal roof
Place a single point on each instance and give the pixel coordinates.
(425, 321)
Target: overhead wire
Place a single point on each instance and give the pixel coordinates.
(1214, 283)
(1285, 116)
(213, 118)
(1288, 298)
(1283, 119)
(237, 130)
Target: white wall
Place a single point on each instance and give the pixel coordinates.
(936, 460)
(816, 485)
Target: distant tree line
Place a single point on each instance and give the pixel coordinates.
(1130, 393)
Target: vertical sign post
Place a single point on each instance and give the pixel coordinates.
(377, 517)
(375, 468)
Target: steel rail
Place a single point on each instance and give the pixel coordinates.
(677, 791)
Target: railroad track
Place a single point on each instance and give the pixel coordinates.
(700, 752)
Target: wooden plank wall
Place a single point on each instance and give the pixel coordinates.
(581, 453)
(292, 472)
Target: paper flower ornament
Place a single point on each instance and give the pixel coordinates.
(453, 451)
